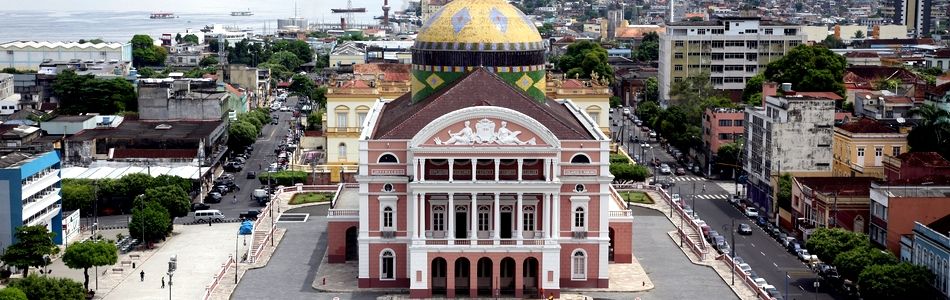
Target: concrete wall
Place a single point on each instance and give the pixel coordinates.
(805, 138)
(154, 104)
(815, 34)
(57, 128)
(902, 212)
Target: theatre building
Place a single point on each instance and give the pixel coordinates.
(475, 184)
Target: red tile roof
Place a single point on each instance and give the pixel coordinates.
(923, 159)
(843, 186)
(391, 72)
(866, 125)
(572, 84)
(155, 153)
(402, 119)
(826, 95)
(861, 54)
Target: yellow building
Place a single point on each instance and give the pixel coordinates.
(860, 148)
(348, 101)
(592, 96)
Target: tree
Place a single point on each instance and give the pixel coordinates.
(583, 59)
(12, 293)
(299, 48)
(315, 120)
(850, 263)
(146, 53)
(190, 38)
(615, 102)
(172, 198)
(42, 288)
(648, 112)
(784, 194)
(136, 183)
(167, 180)
(833, 42)
(286, 59)
(648, 49)
(208, 61)
(629, 172)
(895, 281)
(934, 133)
(277, 71)
(727, 156)
(241, 134)
(77, 195)
(828, 243)
(178, 38)
(319, 96)
(90, 254)
(301, 85)
(547, 29)
(87, 94)
(809, 69)
(859, 34)
(151, 222)
(752, 94)
(651, 90)
(33, 246)
(213, 45)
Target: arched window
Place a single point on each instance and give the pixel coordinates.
(579, 265)
(342, 150)
(579, 188)
(579, 218)
(387, 159)
(388, 187)
(387, 265)
(580, 158)
(342, 112)
(361, 112)
(594, 113)
(387, 217)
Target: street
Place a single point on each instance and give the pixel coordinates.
(709, 199)
(262, 156)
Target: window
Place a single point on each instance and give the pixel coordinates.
(725, 122)
(768, 31)
(387, 159)
(483, 219)
(579, 218)
(528, 216)
(701, 31)
(678, 55)
(678, 44)
(388, 217)
(678, 68)
(580, 158)
(718, 31)
(861, 152)
(361, 116)
(896, 150)
(737, 123)
(388, 187)
(878, 151)
(387, 265)
(342, 150)
(725, 136)
(579, 188)
(594, 115)
(438, 218)
(579, 265)
(341, 119)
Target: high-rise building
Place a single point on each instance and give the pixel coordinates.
(915, 14)
(730, 49)
(30, 194)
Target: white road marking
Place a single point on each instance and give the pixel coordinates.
(753, 245)
(776, 265)
(803, 289)
(763, 254)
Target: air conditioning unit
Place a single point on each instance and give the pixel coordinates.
(389, 234)
(580, 234)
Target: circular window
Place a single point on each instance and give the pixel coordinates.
(579, 188)
(388, 187)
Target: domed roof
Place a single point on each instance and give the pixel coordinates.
(479, 25)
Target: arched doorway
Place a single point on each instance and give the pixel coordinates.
(352, 244)
(484, 276)
(439, 284)
(463, 275)
(610, 248)
(530, 273)
(506, 276)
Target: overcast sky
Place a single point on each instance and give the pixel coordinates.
(192, 6)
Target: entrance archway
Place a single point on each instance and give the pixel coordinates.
(462, 274)
(352, 244)
(439, 284)
(530, 274)
(610, 247)
(484, 276)
(506, 276)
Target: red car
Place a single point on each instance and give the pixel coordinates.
(680, 171)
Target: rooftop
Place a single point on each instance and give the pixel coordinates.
(923, 159)
(842, 186)
(941, 225)
(142, 130)
(926, 187)
(35, 44)
(65, 118)
(866, 125)
(14, 159)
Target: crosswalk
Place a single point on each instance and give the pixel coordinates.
(713, 197)
(686, 178)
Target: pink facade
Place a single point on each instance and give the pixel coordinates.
(721, 126)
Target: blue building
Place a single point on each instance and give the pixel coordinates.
(30, 194)
(931, 249)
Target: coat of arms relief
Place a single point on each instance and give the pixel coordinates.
(484, 134)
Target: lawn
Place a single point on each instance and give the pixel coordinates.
(636, 197)
(310, 197)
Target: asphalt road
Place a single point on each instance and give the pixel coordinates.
(262, 156)
(764, 254)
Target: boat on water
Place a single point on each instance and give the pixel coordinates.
(348, 10)
(162, 15)
(245, 13)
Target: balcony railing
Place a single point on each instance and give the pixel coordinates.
(343, 213)
(482, 242)
(342, 129)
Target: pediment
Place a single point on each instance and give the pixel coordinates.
(485, 132)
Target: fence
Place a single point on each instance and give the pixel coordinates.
(699, 249)
(759, 293)
(217, 277)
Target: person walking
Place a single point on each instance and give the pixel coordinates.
(142, 275)
(235, 199)
(163, 282)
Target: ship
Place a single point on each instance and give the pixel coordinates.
(162, 15)
(246, 13)
(348, 10)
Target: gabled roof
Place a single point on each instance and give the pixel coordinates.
(402, 119)
(866, 125)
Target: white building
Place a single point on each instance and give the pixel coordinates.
(9, 101)
(731, 49)
(29, 55)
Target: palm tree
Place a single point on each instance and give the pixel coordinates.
(934, 131)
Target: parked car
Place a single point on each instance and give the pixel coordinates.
(626, 111)
(680, 171)
(677, 199)
(788, 241)
(760, 282)
(250, 215)
(761, 220)
(725, 248)
(213, 197)
(734, 200)
(745, 268)
(233, 167)
(804, 256)
(665, 169)
(251, 174)
(744, 229)
(653, 134)
(751, 212)
(645, 145)
(199, 206)
(712, 234)
(793, 247)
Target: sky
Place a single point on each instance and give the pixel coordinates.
(305, 8)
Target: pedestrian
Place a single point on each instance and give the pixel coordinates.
(235, 199)
(163, 282)
(133, 265)
(142, 275)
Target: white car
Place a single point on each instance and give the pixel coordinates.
(751, 212)
(745, 268)
(677, 199)
(760, 282)
(626, 111)
(804, 256)
(665, 169)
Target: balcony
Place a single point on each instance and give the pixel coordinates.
(343, 129)
(483, 242)
(40, 202)
(45, 214)
(338, 213)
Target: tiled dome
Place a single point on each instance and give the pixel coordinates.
(480, 25)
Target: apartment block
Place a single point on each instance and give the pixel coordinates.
(29, 194)
(721, 126)
(731, 49)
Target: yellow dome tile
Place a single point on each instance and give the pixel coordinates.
(485, 23)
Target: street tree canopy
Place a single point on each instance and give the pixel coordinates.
(851, 263)
(828, 243)
(12, 293)
(77, 196)
(33, 245)
(933, 134)
(146, 53)
(286, 59)
(43, 287)
(172, 198)
(895, 281)
(649, 48)
(87, 94)
(583, 59)
(90, 254)
(241, 134)
(151, 222)
(809, 69)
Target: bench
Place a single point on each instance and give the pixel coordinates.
(126, 263)
(117, 270)
(135, 256)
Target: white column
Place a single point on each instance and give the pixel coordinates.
(496, 221)
(557, 215)
(422, 216)
(473, 212)
(451, 217)
(546, 215)
(415, 169)
(520, 218)
(451, 171)
(497, 163)
(520, 167)
(474, 165)
(422, 169)
(557, 166)
(547, 170)
(413, 228)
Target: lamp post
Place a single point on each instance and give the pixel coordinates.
(732, 249)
